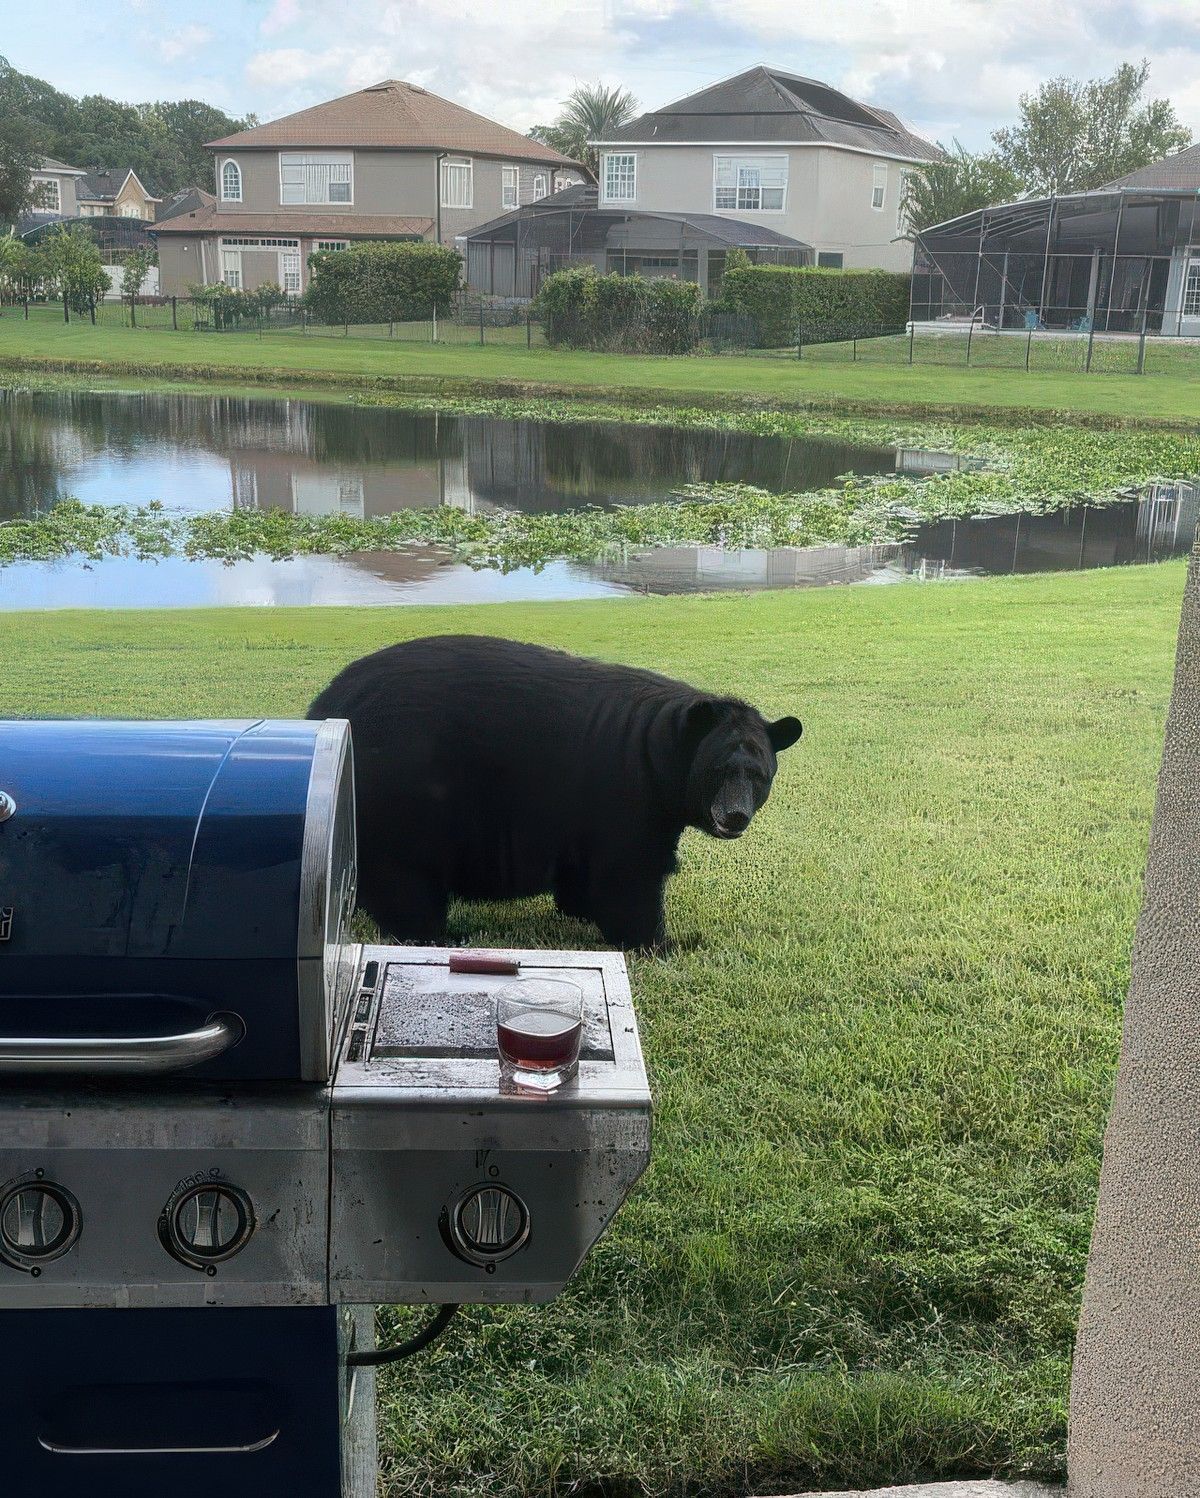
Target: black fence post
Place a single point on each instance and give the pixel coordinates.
(92, 310)
(1028, 347)
(27, 307)
(854, 347)
(1141, 364)
(799, 340)
(175, 314)
(1087, 368)
(481, 322)
(912, 338)
(66, 307)
(970, 333)
(133, 311)
(529, 328)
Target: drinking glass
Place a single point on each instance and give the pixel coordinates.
(539, 1023)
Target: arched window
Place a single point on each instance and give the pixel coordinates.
(231, 182)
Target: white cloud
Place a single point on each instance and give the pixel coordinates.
(184, 42)
(949, 66)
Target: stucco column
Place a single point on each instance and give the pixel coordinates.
(1135, 1394)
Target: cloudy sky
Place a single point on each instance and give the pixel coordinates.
(949, 67)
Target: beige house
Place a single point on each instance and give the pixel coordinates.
(392, 161)
(117, 192)
(770, 148)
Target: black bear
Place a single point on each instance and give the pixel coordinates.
(494, 770)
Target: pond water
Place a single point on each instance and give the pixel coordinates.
(208, 452)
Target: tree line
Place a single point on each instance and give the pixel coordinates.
(162, 141)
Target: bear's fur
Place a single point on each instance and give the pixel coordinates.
(493, 770)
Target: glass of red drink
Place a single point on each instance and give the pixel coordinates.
(539, 1023)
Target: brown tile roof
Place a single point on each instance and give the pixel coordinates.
(209, 220)
(398, 116)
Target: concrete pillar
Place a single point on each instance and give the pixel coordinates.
(1135, 1392)
(702, 269)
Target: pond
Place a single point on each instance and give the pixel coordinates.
(215, 452)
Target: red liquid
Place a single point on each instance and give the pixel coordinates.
(539, 1039)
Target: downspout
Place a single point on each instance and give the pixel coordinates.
(437, 191)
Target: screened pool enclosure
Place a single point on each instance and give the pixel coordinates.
(1121, 259)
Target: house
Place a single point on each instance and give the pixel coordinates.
(511, 255)
(1115, 259)
(770, 148)
(53, 184)
(115, 192)
(389, 162)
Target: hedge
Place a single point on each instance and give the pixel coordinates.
(782, 298)
(625, 314)
(378, 282)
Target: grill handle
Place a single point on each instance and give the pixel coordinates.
(123, 1056)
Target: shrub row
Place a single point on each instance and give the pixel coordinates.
(626, 314)
(780, 299)
(377, 282)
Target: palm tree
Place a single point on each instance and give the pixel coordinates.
(591, 112)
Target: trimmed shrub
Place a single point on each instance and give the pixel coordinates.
(627, 314)
(378, 282)
(782, 298)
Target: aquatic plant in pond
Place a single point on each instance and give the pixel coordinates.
(1017, 469)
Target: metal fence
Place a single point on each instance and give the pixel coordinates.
(1072, 345)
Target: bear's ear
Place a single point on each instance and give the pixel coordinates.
(699, 722)
(783, 733)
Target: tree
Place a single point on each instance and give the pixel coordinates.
(957, 183)
(591, 112)
(74, 266)
(18, 157)
(1073, 136)
(133, 273)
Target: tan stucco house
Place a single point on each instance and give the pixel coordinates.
(118, 192)
(53, 186)
(392, 161)
(770, 148)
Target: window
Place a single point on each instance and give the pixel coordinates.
(456, 184)
(231, 183)
(130, 210)
(289, 271)
(510, 186)
(560, 182)
(1191, 291)
(47, 195)
(751, 184)
(620, 178)
(261, 244)
(333, 244)
(879, 185)
(540, 189)
(231, 268)
(316, 177)
(902, 202)
(831, 259)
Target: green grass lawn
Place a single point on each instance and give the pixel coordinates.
(881, 1057)
(147, 351)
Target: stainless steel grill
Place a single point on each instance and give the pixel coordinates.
(226, 1129)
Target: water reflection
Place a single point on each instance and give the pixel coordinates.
(208, 452)
(1158, 526)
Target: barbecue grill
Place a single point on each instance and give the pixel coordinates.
(227, 1130)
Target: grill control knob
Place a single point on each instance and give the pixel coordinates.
(487, 1224)
(39, 1221)
(206, 1225)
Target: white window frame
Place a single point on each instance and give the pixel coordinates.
(879, 182)
(304, 175)
(130, 210)
(41, 182)
(510, 187)
(743, 168)
(332, 244)
(284, 256)
(626, 174)
(226, 269)
(541, 186)
(226, 195)
(461, 168)
(1189, 300)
